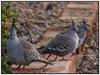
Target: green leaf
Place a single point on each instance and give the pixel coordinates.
(7, 13)
(5, 69)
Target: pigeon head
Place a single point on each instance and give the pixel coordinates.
(12, 32)
(84, 26)
(73, 26)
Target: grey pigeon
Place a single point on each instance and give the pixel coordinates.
(64, 43)
(82, 34)
(21, 52)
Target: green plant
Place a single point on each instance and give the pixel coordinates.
(5, 67)
(7, 13)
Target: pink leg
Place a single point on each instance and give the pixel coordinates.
(18, 68)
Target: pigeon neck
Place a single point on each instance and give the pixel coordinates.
(82, 33)
(72, 29)
(14, 37)
(13, 34)
(82, 30)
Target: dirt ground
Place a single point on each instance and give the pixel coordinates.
(47, 19)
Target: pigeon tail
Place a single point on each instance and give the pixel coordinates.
(43, 50)
(40, 48)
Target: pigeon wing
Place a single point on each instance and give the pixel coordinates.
(62, 43)
(31, 54)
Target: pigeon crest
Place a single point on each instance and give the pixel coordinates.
(71, 27)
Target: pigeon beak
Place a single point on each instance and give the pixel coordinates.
(88, 27)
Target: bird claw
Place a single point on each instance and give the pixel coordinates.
(63, 59)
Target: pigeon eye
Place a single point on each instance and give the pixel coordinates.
(88, 25)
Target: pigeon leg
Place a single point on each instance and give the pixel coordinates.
(24, 68)
(48, 56)
(73, 54)
(63, 59)
(82, 48)
(18, 68)
(68, 58)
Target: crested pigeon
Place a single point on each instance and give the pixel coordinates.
(82, 34)
(21, 52)
(64, 43)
